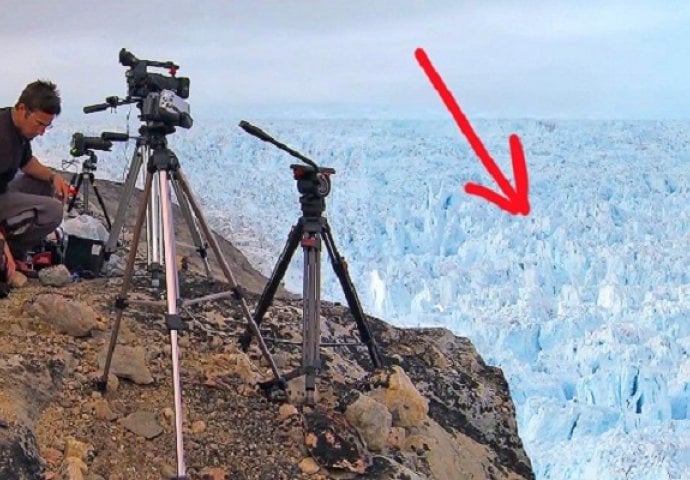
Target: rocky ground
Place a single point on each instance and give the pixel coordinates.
(436, 411)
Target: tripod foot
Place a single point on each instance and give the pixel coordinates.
(274, 390)
(245, 340)
(101, 384)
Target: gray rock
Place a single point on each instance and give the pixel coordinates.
(57, 276)
(114, 267)
(168, 472)
(393, 388)
(372, 420)
(333, 443)
(467, 397)
(27, 386)
(73, 318)
(143, 423)
(19, 454)
(128, 363)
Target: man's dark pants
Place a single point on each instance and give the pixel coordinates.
(28, 213)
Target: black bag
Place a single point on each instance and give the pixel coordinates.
(84, 256)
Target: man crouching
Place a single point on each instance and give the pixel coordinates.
(28, 209)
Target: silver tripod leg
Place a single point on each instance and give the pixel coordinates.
(172, 298)
(154, 238)
(311, 313)
(134, 167)
(193, 227)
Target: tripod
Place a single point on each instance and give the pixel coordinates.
(154, 240)
(164, 165)
(312, 228)
(88, 168)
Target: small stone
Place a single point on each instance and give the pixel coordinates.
(75, 448)
(199, 427)
(52, 455)
(168, 472)
(113, 383)
(309, 466)
(143, 423)
(209, 473)
(57, 276)
(103, 412)
(286, 410)
(128, 362)
(18, 280)
(66, 316)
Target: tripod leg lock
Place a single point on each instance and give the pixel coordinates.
(174, 322)
(121, 303)
(238, 293)
(245, 340)
(203, 251)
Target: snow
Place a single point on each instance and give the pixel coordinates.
(584, 304)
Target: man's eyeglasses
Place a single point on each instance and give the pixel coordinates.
(46, 126)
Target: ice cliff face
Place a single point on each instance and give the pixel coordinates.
(584, 303)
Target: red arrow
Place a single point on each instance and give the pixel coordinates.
(514, 200)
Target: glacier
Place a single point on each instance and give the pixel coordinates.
(584, 304)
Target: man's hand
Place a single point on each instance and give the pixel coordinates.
(61, 187)
(37, 170)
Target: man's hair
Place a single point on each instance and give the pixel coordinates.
(41, 95)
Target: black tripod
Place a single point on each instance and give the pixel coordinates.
(88, 168)
(313, 183)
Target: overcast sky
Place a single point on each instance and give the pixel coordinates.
(501, 59)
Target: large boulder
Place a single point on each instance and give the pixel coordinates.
(26, 387)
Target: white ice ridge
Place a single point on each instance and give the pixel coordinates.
(585, 303)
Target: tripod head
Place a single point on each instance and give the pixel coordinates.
(313, 182)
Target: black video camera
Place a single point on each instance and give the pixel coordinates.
(140, 82)
(166, 107)
(81, 145)
(160, 98)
